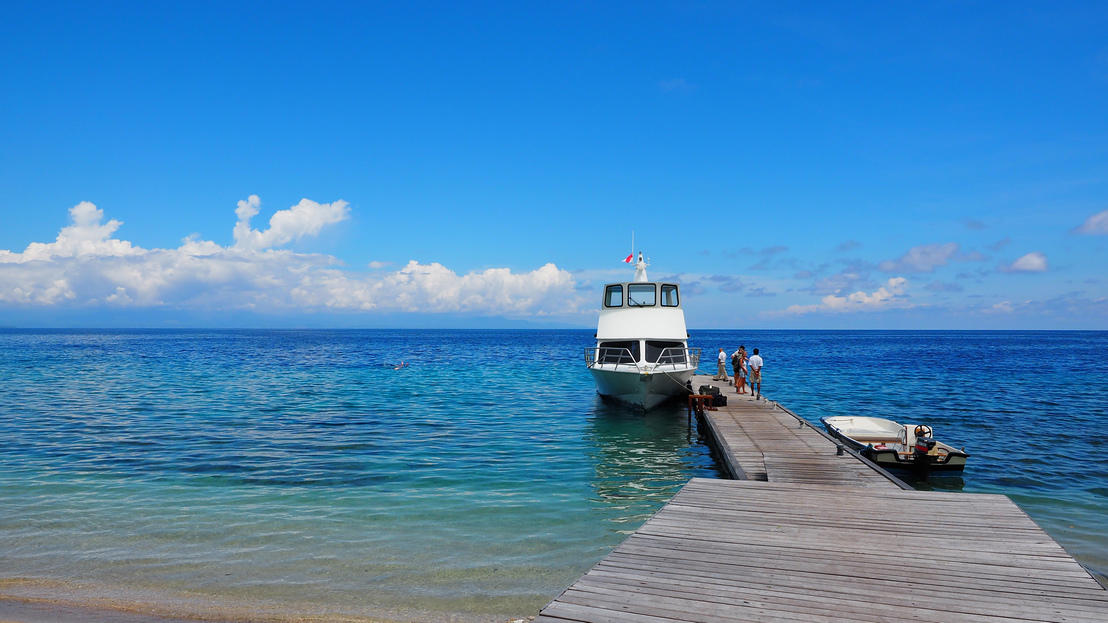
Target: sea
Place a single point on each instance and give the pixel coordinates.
(455, 475)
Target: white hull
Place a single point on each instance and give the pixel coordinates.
(645, 391)
(889, 444)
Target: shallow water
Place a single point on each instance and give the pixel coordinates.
(297, 468)
(293, 472)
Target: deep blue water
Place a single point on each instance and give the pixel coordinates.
(295, 472)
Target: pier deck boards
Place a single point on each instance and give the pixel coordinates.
(726, 550)
(811, 536)
(769, 444)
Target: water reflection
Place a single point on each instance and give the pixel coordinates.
(936, 483)
(640, 460)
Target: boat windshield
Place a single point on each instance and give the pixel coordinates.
(618, 352)
(669, 296)
(641, 294)
(655, 349)
(613, 296)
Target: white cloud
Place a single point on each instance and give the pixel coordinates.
(1095, 224)
(85, 266)
(303, 219)
(922, 259)
(1004, 307)
(846, 280)
(889, 296)
(1034, 262)
(86, 237)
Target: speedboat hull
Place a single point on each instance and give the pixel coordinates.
(645, 390)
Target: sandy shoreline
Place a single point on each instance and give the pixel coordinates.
(57, 611)
(22, 609)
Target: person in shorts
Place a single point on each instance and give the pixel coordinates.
(756, 374)
(738, 364)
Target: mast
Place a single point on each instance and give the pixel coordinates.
(640, 269)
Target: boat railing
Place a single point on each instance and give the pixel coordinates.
(621, 358)
(678, 357)
(610, 356)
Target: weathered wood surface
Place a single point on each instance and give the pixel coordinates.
(725, 551)
(769, 444)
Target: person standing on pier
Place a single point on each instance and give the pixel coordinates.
(721, 373)
(756, 373)
(738, 362)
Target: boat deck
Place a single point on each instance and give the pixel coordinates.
(808, 535)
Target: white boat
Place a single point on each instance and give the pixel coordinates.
(902, 447)
(641, 355)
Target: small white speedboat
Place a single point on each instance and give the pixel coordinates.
(893, 446)
(641, 355)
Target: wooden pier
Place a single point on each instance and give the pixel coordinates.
(807, 534)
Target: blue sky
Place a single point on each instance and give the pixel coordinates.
(809, 165)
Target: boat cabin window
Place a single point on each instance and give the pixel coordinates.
(669, 296)
(613, 296)
(640, 294)
(656, 351)
(618, 352)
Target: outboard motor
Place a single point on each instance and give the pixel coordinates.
(921, 457)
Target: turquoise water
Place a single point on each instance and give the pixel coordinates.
(288, 472)
(294, 472)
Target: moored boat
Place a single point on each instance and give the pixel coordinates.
(894, 446)
(641, 355)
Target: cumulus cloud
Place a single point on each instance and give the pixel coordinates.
(303, 219)
(847, 280)
(86, 237)
(889, 296)
(86, 266)
(922, 259)
(1034, 262)
(1096, 224)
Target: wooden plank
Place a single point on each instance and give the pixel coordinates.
(767, 444)
(886, 586)
(815, 536)
(890, 603)
(765, 551)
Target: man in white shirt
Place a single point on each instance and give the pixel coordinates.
(721, 374)
(756, 373)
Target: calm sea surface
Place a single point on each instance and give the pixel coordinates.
(294, 472)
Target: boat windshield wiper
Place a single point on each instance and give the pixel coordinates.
(632, 302)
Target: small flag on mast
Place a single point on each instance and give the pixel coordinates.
(628, 260)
